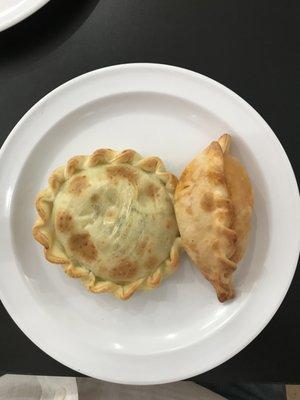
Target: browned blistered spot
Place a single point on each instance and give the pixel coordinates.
(189, 210)
(215, 178)
(215, 245)
(95, 198)
(207, 202)
(152, 190)
(83, 246)
(151, 262)
(141, 246)
(64, 221)
(124, 270)
(111, 214)
(122, 171)
(169, 224)
(78, 184)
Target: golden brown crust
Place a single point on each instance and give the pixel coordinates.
(64, 221)
(241, 196)
(213, 205)
(120, 164)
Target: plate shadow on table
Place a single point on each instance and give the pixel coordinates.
(42, 32)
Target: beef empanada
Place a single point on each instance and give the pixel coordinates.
(213, 206)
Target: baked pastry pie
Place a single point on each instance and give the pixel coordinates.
(109, 219)
(213, 205)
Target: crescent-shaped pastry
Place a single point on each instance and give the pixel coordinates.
(213, 205)
(109, 219)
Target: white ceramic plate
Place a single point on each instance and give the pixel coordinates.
(14, 11)
(180, 329)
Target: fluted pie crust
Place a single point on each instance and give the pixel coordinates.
(108, 219)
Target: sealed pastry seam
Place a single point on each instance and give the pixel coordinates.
(75, 178)
(213, 205)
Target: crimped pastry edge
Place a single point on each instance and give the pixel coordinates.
(224, 286)
(42, 228)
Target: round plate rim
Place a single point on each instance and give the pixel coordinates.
(25, 12)
(175, 375)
